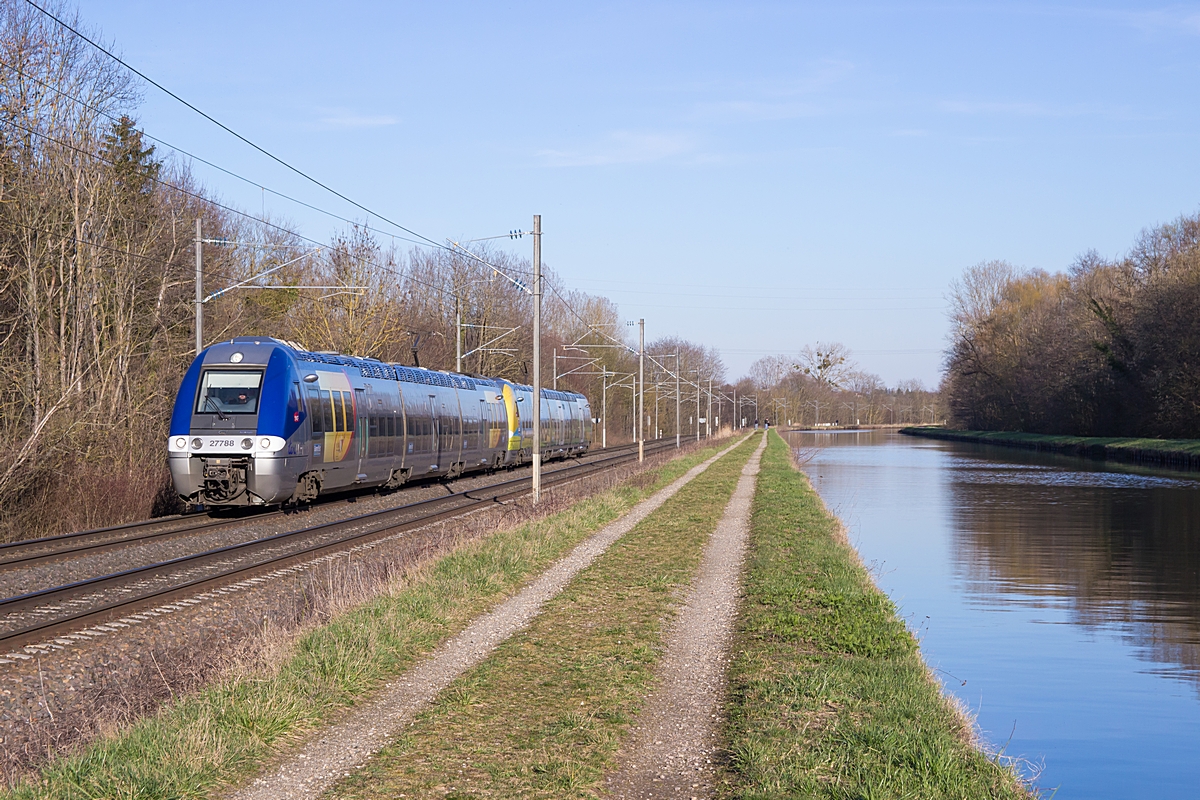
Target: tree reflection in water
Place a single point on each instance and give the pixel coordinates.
(1121, 548)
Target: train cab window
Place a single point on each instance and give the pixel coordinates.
(229, 392)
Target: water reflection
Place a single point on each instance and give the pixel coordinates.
(1123, 549)
(1065, 592)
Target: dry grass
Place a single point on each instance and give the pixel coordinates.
(77, 496)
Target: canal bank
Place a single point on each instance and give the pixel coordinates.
(829, 695)
(1057, 598)
(1172, 453)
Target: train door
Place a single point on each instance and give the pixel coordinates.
(483, 431)
(435, 437)
(362, 405)
(402, 432)
(446, 440)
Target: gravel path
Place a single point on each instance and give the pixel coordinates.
(347, 745)
(672, 751)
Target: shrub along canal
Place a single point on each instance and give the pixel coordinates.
(1057, 597)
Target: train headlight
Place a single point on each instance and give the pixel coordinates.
(181, 443)
(264, 443)
(247, 443)
(197, 443)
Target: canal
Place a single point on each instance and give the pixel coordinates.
(1057, 598)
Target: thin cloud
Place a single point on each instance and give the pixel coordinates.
(1021, 109)
(1157, 20)
(781, 100)
(358, 121)
(758, 110)
(621, 147)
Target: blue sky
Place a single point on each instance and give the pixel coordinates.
(805, 171)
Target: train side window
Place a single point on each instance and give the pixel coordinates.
(314, 408)
(327, 411)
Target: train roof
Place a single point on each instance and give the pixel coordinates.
(381, 370)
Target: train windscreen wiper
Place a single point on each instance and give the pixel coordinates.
(209, 401)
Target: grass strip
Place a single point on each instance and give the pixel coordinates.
(544, 714)
(829, 696)
(223, 734)
(1175, 453)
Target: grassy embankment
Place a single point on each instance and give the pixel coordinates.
(223, 734)
(545, 714)
(1175, 453)
(829, 696)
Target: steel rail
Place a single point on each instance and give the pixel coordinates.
(69, 545)
(427, 511)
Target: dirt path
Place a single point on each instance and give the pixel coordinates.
(672, 749)
(345, 746)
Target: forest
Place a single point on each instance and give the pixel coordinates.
(1111, 347)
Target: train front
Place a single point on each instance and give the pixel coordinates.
(233, 435)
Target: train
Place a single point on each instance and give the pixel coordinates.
(260, 421)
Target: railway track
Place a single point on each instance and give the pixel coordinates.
(70, 545)
(43, 614)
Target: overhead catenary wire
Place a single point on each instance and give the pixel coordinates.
(218, 167)
(230, 209)
(228, 129)
(426, 241)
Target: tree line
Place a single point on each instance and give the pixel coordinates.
(823, 385)
(1111, 347)
(97, 280)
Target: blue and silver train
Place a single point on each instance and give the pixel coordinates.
(260, 421)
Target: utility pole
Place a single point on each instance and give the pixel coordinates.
(554, 384)
(457, 334)
(734, 428)
(604, 409)
(641, 399)
(656, 430)
(199, 290)
(708, 419)
(537, 358)
(677, 401)
(697, 405)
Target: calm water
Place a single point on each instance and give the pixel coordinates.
(1058, 598)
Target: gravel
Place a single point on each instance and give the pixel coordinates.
(19, 579)
(674, 748)
(347, 745)
(74, 567)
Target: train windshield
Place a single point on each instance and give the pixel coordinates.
(229, 392)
